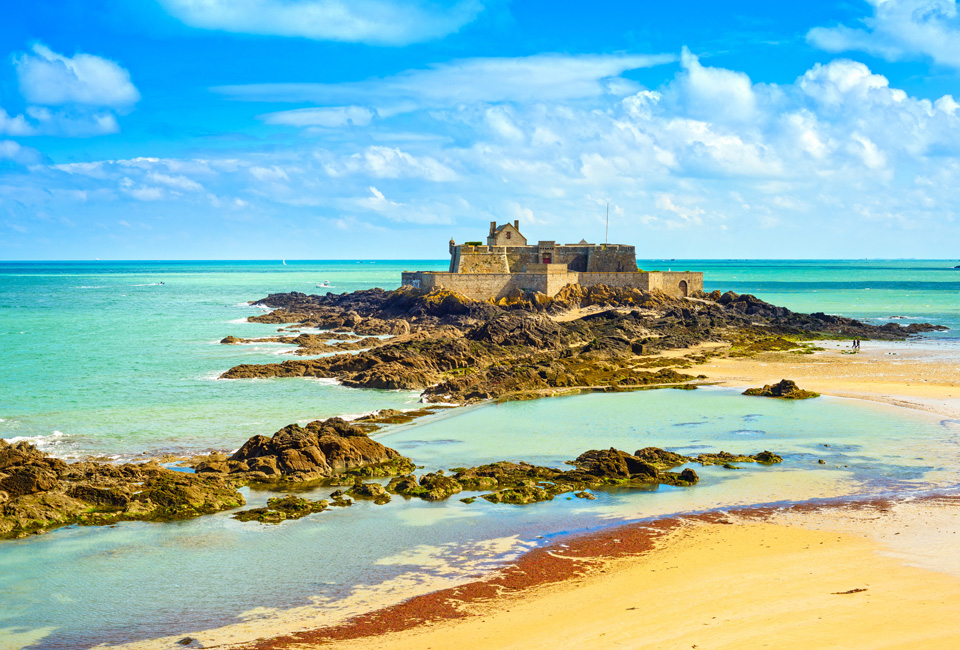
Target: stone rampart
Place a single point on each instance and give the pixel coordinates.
(485, 286)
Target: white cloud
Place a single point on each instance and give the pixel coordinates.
(381, 22)
(387, 162)
(176, 182)
(18, 125)
(714, 93)
(141, 192)
(10, 150)
(842, 82)
(414, 212)
(538, 78)
(899, 29)
(269, 173)
(52, 79)
(332, 117)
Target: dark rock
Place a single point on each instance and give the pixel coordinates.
(320, 450)
(784, 389)
(42, 492)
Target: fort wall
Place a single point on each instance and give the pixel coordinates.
(483, 286)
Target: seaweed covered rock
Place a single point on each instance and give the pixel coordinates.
(519, 495)
(298, 454)
(281, 509)
(373, 491)
(38, 492)
(784, 389)
(725, 458)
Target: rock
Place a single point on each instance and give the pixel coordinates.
(519, 495)
(660, 458)
(44, 492)
(723, 458)
(27, 479)
(784, 389)
(685, 478)
(280, 509)
(231, 340)
(298, 454)
(767, 457)
(437, 486)
(373, 491)
(583, 494)
(615, 464)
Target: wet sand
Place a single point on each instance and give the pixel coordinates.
(919, 375)
(807, 576)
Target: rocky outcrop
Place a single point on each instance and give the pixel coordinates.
(38, 493)
(320, 450)
(455, 349)
(784, 389)
(724, 458)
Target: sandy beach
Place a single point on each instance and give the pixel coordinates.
(920, 375)
(866, 575)
(805, 577)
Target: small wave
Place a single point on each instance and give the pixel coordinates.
(40, 442)
(211, 376)
(147, 284)
(98, 286)
(328, 381)
(239, 321)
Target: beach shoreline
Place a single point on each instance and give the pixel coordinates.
(909, 374)
(582, 590)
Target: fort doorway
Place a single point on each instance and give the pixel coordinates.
(547, 258)
(683, 288)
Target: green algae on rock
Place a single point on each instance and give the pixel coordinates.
(281, 509)
(784, 389)
(39, 493)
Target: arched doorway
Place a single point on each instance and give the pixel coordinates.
(683, 288)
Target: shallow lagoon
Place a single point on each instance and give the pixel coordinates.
(139, 580)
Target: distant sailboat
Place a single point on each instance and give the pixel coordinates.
(284, 262)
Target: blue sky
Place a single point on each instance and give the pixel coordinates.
(314, 129)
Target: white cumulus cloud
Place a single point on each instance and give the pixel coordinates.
(52, 79)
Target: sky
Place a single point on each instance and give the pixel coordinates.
(379, 129)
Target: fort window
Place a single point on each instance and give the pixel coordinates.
(508, 234)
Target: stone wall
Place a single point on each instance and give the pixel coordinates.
(480, 259)
(484, 286)
(672, 283)
(515, 259)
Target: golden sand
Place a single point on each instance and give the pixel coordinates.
(904, 374)
(713, 586)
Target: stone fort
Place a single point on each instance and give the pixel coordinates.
(508, 263)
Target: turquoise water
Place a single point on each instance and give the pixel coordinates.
(101, 359)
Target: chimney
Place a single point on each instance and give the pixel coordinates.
(493, 227)
(516, 224)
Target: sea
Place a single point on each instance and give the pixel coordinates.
(120, 361)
